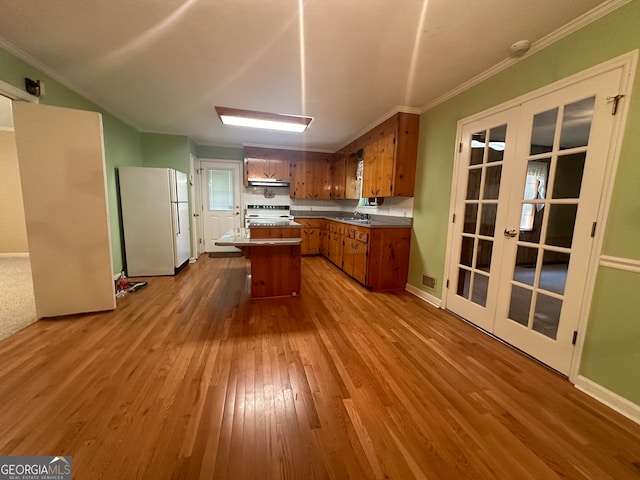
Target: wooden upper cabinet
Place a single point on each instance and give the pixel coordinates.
(379, 159)
(266, 163)
(352, 182)
(339, 177)
(311, 176)
(390, 155)
(346, 184)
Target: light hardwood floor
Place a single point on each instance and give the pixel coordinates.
(190, 379)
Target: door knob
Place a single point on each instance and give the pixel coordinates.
(510, 233)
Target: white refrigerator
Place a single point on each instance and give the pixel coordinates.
(155, 220)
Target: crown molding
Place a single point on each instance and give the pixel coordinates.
(573, 26)
(385, 116)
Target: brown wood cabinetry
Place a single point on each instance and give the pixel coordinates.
(311, 235)
(338, 176)
(345, 184)
(390, 155)
(275, 232)
(377, 178)
(388, 267)
(336, 243)
(324, 239)
(266, 163)
(378, 258)
(311, 176)
(355, 253)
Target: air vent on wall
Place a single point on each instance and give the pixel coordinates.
(429, 281)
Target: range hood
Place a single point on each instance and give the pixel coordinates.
(268, 182)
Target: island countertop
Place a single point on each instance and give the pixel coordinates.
(241, 237)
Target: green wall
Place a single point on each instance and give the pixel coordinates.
(609, 358)
(219, 153)
(121, 141)
(168, 151)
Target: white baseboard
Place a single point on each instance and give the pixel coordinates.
(192, 259)
(14, 255)
(427, 297)
(609, 398)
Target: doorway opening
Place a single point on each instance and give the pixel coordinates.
(17, 301)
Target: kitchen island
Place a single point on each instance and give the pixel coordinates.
(274, 252)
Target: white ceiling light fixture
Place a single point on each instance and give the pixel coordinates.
(270, 121)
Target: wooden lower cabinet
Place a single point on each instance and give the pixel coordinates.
(378, 258)
(336, 243)
(324, 239)
(311, 235)
(275, 232)
(355, 253)
(388, 267)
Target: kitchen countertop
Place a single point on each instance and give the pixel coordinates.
(375, 221)
(241, 237)
(267, 223)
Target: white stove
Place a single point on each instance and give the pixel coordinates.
(267, 215)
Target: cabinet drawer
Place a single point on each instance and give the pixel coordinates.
(309, 222)
(336, 227)
(360, 234)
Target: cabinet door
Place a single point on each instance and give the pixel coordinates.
(311, 180)
(313, 241)
(297, 187)
(336, 248)
(347, 255)
(256, 168)
(377, 179)
(338, 177)
(321, 180)
(352, 182)
(279, 169)
(324, 240)
(360, 260)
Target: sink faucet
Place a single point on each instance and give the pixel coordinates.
(357, 214)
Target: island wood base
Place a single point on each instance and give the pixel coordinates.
(276, 270)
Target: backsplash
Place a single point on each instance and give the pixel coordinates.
(393, 206)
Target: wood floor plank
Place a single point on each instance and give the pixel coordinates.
(190, 378)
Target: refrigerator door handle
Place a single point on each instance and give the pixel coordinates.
(178, 216)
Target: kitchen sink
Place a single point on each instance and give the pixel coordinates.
(354, 219)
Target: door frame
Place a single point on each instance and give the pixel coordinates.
(199, 206)
(627, 63)
(196, 202)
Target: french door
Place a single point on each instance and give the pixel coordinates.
(529, 184)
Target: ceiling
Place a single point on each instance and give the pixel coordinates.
(162, 65)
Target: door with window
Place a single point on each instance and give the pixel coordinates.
(530, 181)
(220, 201)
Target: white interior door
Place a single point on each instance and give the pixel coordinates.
(488, 149)
(519, 256)
(62, 172)
(220, 201)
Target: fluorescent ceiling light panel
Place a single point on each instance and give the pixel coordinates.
(269, 121)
